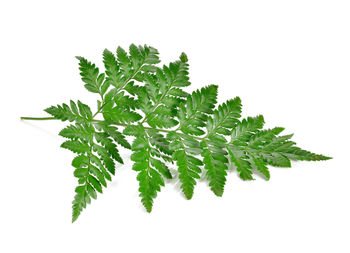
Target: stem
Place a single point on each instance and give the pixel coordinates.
(99, 110)
(120, 124)
(36, 118)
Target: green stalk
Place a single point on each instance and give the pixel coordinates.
(35, 118)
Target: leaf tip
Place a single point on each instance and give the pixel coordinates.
(183, 57)
(188, 195)
(218, 193)
(324, 158)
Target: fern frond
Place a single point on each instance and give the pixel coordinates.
(163, 93)
(76, 146)
(225, 117)
(64, 112)
(243, 131)
(185, 151)
(239, 159)
(148, 167)
(140, 58)
(90, 178)
(90, 75)
(92, 170)
(147, 103)
(215, 164)
(112, 69)
(78, 131)
(194, 113)
(253, 149)
(214, 144)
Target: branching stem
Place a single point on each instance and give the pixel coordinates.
(115, 124)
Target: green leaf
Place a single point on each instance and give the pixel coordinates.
(161, 120)
(164, 94)
(85, 110)
(112, 69)
(298, 154)
(105, 157)
(185, 150)
(194, 113)
(110, 147)
(150, 180)
(151, 55)
(120, 115)
(124, 101)
(260, 165)
(135, 55)
(78, 131)
(64, 112)
(98, 174)
(225, 117)
(123, 60)
(177, 92)
(91, 191)
(76, 146)
(216, 165)
(95, 183)
(97, 161)
(245, 129)
(80, 201)
(113, 132)
(90, 75)
(81, 172)
(80, 161)
(157, 140)
(239, 159)
(161, 168)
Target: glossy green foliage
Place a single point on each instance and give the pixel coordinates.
(150, 168)
(175, 134)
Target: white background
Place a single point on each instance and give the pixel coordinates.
(288, 60)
